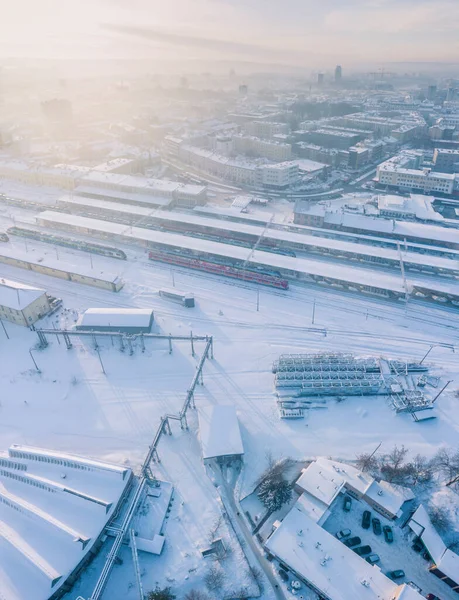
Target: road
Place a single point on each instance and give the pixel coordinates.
(226, 490)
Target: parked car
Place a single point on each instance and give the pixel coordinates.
(283, 575)
(417, 546)
(397, 574)
(361, 550)
(344, 533)
(366, 519)
(432, 597)
(376, 526)
(353, 541)
(347, 503)
(388, 534)
(372, 559)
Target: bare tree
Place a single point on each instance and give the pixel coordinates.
(392, 465)
(274, 469)
(214, 529)
(214, 578)
(196, 595)
(256, 575)
(421, 469)
(447, 461)
(440, 517)
(368, 462)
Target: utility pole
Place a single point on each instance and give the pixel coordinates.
(57, 253)
(426, 354)
(258, 300)
(173, 278)
(90, 258)
(441, 391)
(4, 329)
(313, 311)
(100, 359)
(36, 366)
(371, 455)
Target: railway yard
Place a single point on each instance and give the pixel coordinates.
(270, 254)
(262, 290)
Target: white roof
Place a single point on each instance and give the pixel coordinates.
(400, 228)
(423, 527)
(45, 260)
(219, 431)
(324, 561)
(445, 559)
(321, 481)
(389, 496)
(357, 479)
(311, 506)
(115, 317)
(449, 565)
(408, 593)
(18, 295)
(50, 516)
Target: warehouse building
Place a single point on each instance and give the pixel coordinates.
(123, 320)
(22, 304)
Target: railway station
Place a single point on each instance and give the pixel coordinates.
(254, 265)
(270, 240)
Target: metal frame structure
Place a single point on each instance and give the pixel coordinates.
(146, 474)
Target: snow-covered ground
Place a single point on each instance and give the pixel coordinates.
(73, 406)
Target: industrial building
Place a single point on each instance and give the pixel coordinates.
(54, 508)
(123, 320)
(22, 304)
(219, 433)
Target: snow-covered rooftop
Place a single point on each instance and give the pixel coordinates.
(18, 295)
(219, 431)
(329, 565)
(53, 507)
(389, 496)
(311, 506)
(445, 559)
(423, 527)
(115, 317)
(322, 482)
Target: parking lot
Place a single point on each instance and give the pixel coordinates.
(398, 555)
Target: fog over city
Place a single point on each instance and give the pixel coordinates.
(229, 300)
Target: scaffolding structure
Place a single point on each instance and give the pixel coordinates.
(327, 374)
(410, 401)
(325, 362)
(402, 367)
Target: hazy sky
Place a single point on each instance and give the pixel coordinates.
(309, 32)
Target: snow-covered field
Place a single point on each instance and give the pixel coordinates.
(73, 406)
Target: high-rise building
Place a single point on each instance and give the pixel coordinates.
(431, 92)
(451, 96)
(320, 78)
(338, 73)
(243, 89)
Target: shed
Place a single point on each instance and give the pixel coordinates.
(219, 432)
(124, 320)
